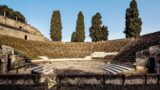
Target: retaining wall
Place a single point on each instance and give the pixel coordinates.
(80, 82)
(108, 79)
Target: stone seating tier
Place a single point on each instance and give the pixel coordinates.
(33, 49)
(128, 52)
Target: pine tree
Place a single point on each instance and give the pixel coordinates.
(133, 21)
(97, 31)
(80, 28)
(56, 26)
(73, 38)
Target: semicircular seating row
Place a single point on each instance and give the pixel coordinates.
(118, 69)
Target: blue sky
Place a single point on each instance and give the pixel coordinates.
(38, 14)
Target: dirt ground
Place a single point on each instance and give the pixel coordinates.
(71, 67)
(78, 67)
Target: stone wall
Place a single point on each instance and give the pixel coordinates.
(82, 79)
(108, 79)
(20, 34)
(17, 29)
(143, 57)
(10, 59)
(79, 82)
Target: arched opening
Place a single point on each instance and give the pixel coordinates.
(25, 37)
(151, 65)
(20, 28)
(9, 63)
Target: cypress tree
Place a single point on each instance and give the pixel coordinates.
(56, 26)
(104, 31)
(80, 28)
(73, 37)
(133, 21)
(97, 31)
(95, 27)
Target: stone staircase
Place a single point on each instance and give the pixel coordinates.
(42, 69)
(118, 69)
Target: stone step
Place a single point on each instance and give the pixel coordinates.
(124, 67)
(111, 71)
(33, 68)
(44, 70)
(41, 69)
(121, 69)
(117, 69)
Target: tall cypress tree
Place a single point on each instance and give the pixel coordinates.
(96, 27)
(133, 21)
(80, 28)
(56, 26)
(104, 31)
(97, 31)
(73, 38)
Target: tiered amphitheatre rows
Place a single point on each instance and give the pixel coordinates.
(111, 46)
(51, 49)
(128, 53)
(61, 50)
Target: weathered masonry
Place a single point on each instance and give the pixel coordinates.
(10, 59)
(10, 27)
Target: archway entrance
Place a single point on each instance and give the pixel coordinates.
(151, 65)
(25, 37)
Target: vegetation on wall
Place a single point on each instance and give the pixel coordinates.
(97, 31)
(133, 21)
(10, 13)
(56, 26)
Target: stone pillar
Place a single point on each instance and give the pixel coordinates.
(4, 14)
(16, 19)
(5, 17)
(2, 68)
(3, 64)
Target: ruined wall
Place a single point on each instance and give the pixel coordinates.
(82, 79)
(17, 29)
(108, 79)
(79, 82)
(142, 58)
